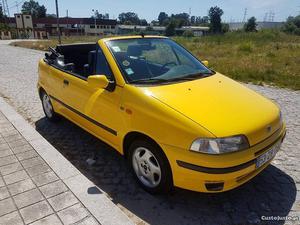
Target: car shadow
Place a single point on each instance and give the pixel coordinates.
(271, 193)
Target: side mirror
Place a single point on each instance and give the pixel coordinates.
(205, 63)
(98, 81)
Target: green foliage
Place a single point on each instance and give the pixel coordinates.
(170, 29)
(225, 28)
(162, 18)
(4, 27)
(188, 33)
(34, 8)
(129, 18)
(263, 57)
(1, 12)
(251, 25)
(246, 47)
(292, 25)
(215, 14)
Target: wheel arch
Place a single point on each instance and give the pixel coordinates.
(135, 135)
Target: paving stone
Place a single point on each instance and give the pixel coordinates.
(4, 146)
(15, 177)
(8, 160)
(88, 221)
(23, 148)
(15, 137)
(49, 220)
(9, 132)
(32, 162)
(39, 169)
(62, 201)
(28, 198)
(37, 211)
(5, 153)
(73, 214)
(1, 182)
(26, 155)
(3, 193)
(17, 143)
(11, 219)
(11, 168)
(44, 178)
(21, 186)
(6, 206)
(53, 189)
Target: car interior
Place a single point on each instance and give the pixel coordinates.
(80, 59)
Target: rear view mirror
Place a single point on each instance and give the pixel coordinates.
(98, 81)
(205, 63)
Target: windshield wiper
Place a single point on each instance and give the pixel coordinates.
(149, 80)
(161, 80)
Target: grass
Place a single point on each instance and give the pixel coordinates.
(265, 57)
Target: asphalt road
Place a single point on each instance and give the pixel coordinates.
(275, 192)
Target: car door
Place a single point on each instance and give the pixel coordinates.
(96, 110)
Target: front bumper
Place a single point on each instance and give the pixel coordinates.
(218, 173)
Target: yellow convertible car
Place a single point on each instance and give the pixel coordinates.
(177, 122)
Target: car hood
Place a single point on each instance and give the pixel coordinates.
(221, 105)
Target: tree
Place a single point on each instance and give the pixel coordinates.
(215, 14)
(143, 22)
(162, 17)
(170, 29)
(1, 12)
(34, 8)
(225, 27)
(129, 18)
(181, 19)
(251, 25)
(292, 25)
(193, 20)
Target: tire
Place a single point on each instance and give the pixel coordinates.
(48, 108)
(150, 167)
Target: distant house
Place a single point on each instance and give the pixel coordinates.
(45, 27)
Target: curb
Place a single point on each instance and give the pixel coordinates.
(99, 205)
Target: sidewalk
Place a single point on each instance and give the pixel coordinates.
(39, 186)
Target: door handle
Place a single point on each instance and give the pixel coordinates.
(66, 82)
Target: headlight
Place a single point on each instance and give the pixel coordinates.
(220, 145)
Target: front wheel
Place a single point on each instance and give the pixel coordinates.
(48, 108)
(150, 167)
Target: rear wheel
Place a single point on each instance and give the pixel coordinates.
(48, 108)
(150, 167)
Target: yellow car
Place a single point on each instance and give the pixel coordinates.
(177, 122)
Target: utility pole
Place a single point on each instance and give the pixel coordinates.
(57, 19)
(245, 15)
(95, 17)
(17, 5)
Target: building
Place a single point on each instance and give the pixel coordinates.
(260, 25)
(125, 29)
(28, 27)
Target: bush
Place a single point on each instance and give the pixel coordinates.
(188, 33)
(251, 25)
(246, 47)
(292, 25)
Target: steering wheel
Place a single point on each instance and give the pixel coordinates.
(168, 63)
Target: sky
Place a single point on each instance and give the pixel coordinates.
(149, 10)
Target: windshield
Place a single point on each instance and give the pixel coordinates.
(152, 60)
